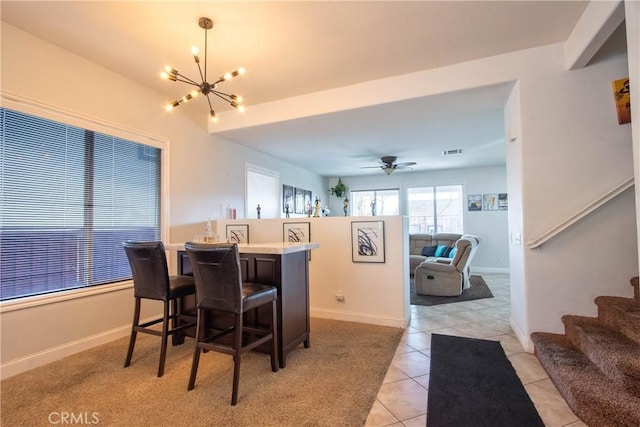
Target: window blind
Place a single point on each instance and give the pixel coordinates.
(69, 197)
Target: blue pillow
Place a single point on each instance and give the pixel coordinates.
(429, 251)
(452, 252)
(440, 250)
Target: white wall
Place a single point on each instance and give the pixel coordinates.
(632, 14)
(376, 293)
(491, 227)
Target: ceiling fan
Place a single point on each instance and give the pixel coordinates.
(388, 164)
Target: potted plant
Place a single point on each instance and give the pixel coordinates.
(340, 189)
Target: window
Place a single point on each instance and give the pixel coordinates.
(69, 196)
(375, 202)
(435, 209)
(263, 188)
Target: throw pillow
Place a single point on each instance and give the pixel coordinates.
(447, 252)
(429, 251)
(452, 252)
(440, 250)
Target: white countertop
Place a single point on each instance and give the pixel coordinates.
(276, 248)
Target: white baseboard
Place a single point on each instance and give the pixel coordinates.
(31, 361)
(525, 341)
(358, 317)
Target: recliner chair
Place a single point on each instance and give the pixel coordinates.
(445, 276)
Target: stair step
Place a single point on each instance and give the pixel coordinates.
(622, 314)
(587, 391)
(613, 353)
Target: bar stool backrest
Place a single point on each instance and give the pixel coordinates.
(218, 277)
(148, 263)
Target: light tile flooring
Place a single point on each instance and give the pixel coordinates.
(402, 398)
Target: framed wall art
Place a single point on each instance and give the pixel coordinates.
(367, 241)
(238, 233)
(296, 232)
(474, 202)
(623, 100)
(287, 198)
(299, 200)
(490, 202)
(503, 202)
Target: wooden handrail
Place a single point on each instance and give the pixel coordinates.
(601, 201)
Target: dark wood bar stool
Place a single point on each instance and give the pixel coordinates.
(219, 289)
(151, 280)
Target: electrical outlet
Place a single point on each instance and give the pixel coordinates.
(340, 296)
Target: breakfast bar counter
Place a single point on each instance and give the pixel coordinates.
(281, 264)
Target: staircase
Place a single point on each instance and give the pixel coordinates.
(596, 363)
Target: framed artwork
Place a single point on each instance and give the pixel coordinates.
(296, 232)
(622, 97)
(503, 202)
(490, 202)
(474, 202)
(287, 198)
(307, 200)
(299, 200)
(238, 233)
(367, 241)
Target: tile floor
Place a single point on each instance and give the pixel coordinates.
(402, 398)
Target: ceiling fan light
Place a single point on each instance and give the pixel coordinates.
(388, 170)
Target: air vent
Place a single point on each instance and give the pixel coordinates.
(452, 152)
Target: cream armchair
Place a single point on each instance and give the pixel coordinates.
(444, 276)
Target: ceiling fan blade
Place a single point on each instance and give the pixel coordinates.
(404, 164)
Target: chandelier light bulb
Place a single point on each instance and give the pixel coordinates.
(241, 108)
(194, 51)
(164, 75)
(194, 93)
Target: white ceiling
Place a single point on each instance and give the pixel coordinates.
(291, 48)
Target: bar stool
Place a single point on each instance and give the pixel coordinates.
(219, 289)
(151, 280)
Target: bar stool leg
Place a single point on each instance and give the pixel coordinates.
(132, 339)
(165, 337)
(196, 353)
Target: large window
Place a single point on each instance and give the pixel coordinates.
(375, 202)
(435, 209)
(68, 198)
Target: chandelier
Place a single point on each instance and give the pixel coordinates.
(203, 87)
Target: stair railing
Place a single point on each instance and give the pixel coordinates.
(601, 201)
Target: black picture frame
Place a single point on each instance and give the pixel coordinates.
(367, 241)
(287, 198)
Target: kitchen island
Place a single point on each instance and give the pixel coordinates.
(281, 264)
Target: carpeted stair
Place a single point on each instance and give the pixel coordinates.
(596, 363)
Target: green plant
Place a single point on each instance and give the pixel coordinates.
(340, 189)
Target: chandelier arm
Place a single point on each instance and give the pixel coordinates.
(209, 101)
(221, 95)
(203, 78)
(185, 79)
(189, 82)
(217, 92)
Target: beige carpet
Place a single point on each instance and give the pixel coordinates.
(333, 383)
